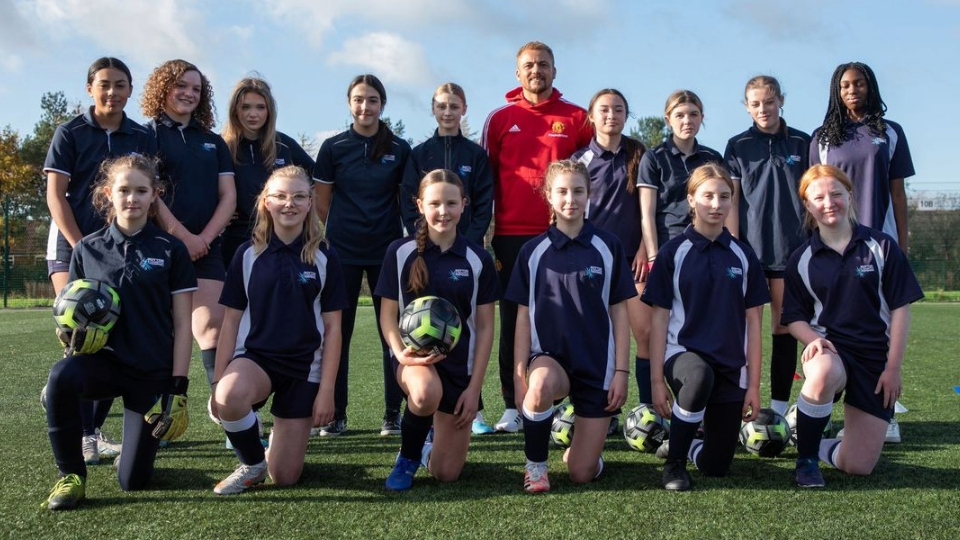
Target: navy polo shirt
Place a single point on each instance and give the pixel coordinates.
(871, 160)
(569, 284)
(469, 161)
(76, 151)
(464, 274)
(848, 298)
(768, 168)
(611, 208)
(666, 169)
(364, 214)
(708, 287)
(146, 270)
(251, 173)
(191, 162)
(282, 299)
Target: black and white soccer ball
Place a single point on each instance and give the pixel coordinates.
(86, 303)
(791, 417)
(561, 430)
(644, 429)
(430, 325)
(766, 436)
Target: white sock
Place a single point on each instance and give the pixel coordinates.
(695, 448)
(779, 406)
(537, 416)
(245, 423)
(829, 450)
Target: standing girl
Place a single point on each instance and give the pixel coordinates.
(612, 161)
(663, 188)
(873, 152)
(281, 334)
(766, 162)
(571, 284)
(847, 299)
(449, 149)
(73, 161)
(196, 166)
(358, 174)
(706, 291)
(152, 274)
(257, 149)
(438, 261)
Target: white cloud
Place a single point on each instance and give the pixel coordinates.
(389, 56)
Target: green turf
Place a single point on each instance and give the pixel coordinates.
(912, 494)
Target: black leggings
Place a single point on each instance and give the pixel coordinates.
(693, 381)
(507, 248)
(93, 377)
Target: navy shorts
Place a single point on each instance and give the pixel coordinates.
(292, 397)
(452, 386)
(863, 373)
(588, 401)
(210, 266)
(774, 274)
(54, 267)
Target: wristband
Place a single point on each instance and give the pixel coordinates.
(627, 371)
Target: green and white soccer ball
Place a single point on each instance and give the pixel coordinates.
(644, 429)
(766, 436)
(430, 325)
(86, 303)
(561, 430)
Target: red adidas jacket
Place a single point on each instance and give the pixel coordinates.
(522, 139)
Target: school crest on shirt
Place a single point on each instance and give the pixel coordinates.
(459, 273)
(388, 158)
(280, 162)
(864, 269)
(465, 171)
(593, 272)
(150, 263)
(793, 159)
(734, 272)
(878, 141)
(306, 276)
(209, 147)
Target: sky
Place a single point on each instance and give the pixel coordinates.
(310, 50)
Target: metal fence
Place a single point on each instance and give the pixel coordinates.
(934, 250)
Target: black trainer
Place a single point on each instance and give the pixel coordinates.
(675, 476)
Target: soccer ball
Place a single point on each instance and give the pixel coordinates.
(561, 431)
(644, 429)
(791, 417)
(86, 303)
(766, 436)
(430, 325)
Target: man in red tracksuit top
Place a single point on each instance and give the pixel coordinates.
(534, 128)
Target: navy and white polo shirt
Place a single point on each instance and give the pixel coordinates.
(464, 274)
(364, 214)
(848, 298)
(251, 173)
(667, 169)
(708, 287)
(283, 299)
(76, 151)
(768, 168)
(611, 208)
(569, 284)
(191, 162)
(871, 160)
(146, 270)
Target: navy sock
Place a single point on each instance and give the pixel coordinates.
(536, 438)
(246, 442)
(783, 365)
(209, 358)
(642, 371)
(413, 433)
(682, 434)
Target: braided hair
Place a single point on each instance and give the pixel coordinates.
(419, 274)
(835, 122)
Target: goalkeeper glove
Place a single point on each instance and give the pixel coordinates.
(82, 340)
(169, 414)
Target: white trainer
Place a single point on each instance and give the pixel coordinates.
(245, 476)
(510, 422)
(91, 455)
(107, 447)
(893, 432)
